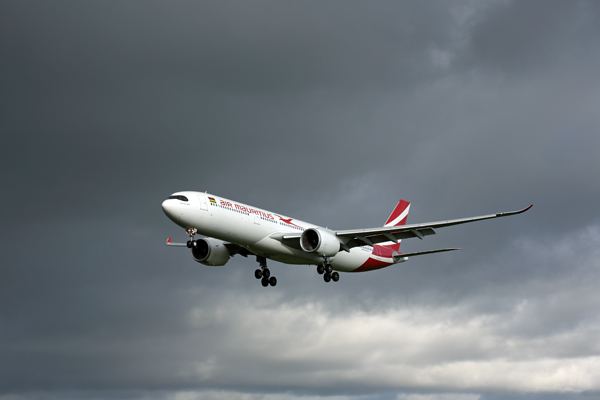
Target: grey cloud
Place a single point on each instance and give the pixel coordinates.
(524, 37)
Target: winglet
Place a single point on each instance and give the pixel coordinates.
(504, 214)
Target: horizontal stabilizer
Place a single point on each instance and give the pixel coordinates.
(420, 253)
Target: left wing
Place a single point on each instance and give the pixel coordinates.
(237, 249)
(169, 243)
(232, 247)
(371, 236)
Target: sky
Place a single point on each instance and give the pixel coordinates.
(329, 112)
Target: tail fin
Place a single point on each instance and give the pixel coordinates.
(396, 218)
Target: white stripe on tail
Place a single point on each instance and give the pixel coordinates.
(397, 217)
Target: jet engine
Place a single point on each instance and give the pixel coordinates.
(209, 251)
(319, 241)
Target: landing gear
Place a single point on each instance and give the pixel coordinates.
(327, 271)
(263, 273)
(191, 232)
(331, 277)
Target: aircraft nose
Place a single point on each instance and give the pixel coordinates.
(168, 207)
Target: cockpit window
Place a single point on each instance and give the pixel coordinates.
(179, 197)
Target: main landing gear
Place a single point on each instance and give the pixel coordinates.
(327, 271)
(263, 273)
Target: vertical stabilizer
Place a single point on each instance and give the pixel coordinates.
(397, 217)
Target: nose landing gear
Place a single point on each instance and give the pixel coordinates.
(264, 274)
(191, 232)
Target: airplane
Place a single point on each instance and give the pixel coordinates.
(231, 228)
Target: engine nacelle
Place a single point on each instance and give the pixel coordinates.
(319, 241)
(209, 251)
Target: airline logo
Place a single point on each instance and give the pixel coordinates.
(245, 209)
(288, 221)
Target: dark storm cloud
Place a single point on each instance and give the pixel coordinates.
(257, 46)
(524, 36)
(100, 91)
(329, 112)
(107, 70)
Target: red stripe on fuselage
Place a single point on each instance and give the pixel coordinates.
(372, 264)
(386, 251)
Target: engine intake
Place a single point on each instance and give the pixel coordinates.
(209, 251)
(319, 241)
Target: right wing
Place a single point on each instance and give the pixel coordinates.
(371, 236)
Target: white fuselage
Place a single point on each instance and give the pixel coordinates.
(259, 231)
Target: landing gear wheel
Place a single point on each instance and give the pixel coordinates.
(320, 269)
(263, 273)
(335, 277)
(328, 268)
(327, 277)
(191, 232)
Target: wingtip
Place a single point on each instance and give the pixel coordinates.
(504, 214)
(525, 209)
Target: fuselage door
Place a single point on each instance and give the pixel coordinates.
(203, 203)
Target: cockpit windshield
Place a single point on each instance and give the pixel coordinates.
(179, 197)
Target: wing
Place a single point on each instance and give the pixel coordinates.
(169, 243)
(237, 249)
(232, 247)
(291, 239)
(371, 236)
